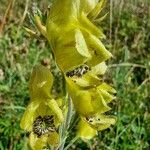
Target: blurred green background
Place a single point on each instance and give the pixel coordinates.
(127, 28)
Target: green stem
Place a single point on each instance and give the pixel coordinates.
(71, 143)
(69, 114)
(65, 126)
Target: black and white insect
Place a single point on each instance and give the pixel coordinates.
(89, 119)
(43, 125)
(93, 120)
(79, 71)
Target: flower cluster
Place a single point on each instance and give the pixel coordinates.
(76, 43)
(80, 54)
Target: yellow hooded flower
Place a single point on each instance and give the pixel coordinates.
(88, 126)
(85, 131)
(73, 37)
(43, 115)
(90, 101)
(89, 93)
(36, 108)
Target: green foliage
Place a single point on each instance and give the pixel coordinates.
(129, 71)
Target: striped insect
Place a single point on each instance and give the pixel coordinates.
(79, 71)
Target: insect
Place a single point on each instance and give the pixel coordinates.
(79, 71)
(93, 120)
(43, 125)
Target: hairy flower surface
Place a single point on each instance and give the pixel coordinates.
(43, 115)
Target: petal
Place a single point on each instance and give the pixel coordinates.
(37, 143)
(101, 122)
(52, 33)
(83, 104)
(87, 5)
(29, 116)
(43, 109)
(106, 96)
(70, 48)
(98, 102)
(59, 102)
(81, 44)
(85, 131)
(69, 58)
(88, 80)
(55, 109)
(81, 82)
(53, 139)
(67, 36)
(62, 10)
(99, 20)
(99, 69)
(62, 15)
(40, 83)
(81, 98)
(98, 8)
(88, 27)
(107, 87)
(86, 101)
(98, 50)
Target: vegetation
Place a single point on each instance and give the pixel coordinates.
(128, 30)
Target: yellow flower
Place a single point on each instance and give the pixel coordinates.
(73, 37)
(38, 108)
(85, 131)
(43, 115)
(89, 93)
(42, 120)
(88, 127)
(89, 101)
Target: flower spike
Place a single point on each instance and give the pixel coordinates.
(76, 43)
